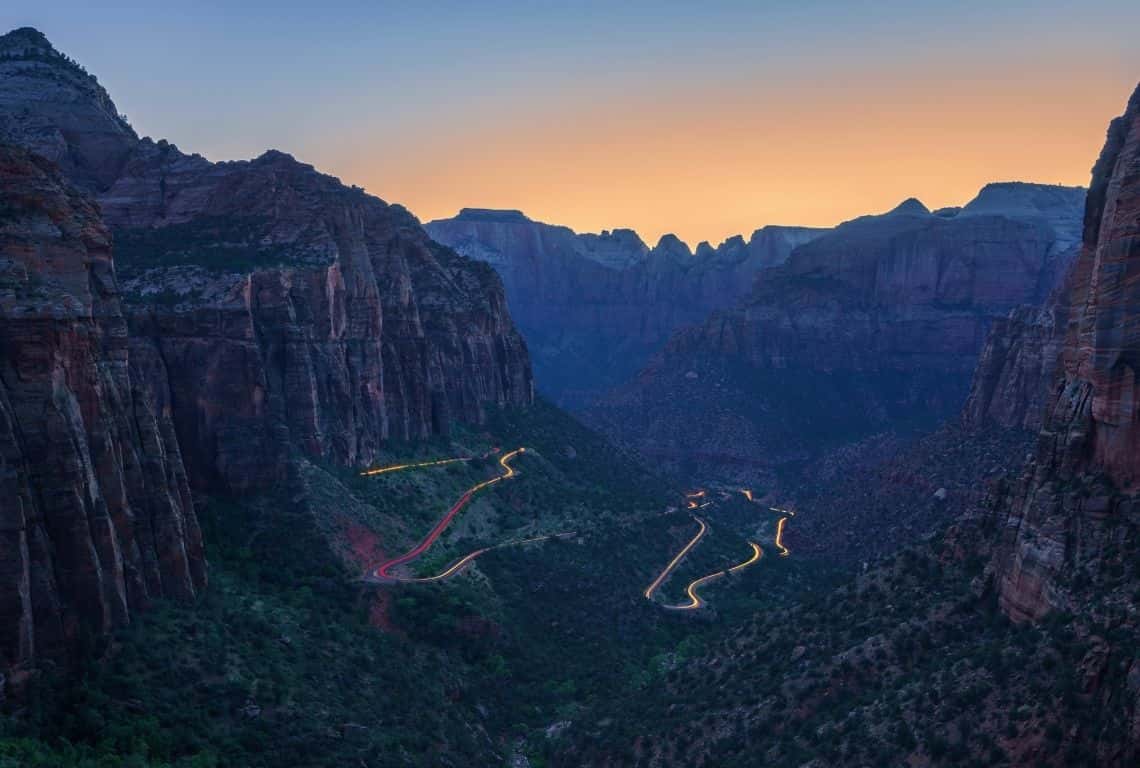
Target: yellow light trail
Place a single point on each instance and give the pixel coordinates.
(454, 568)
(504, 463)
(398, 467)
(757, 553)
(679, 557)
(695, 494)
(780, 536)
(783, 511)
(694, 600)
(461, 562)
(508, 471)
(747, 493)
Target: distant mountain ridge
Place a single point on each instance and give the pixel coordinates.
(595, 307)
(874, 325)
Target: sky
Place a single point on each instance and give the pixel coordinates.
(701, 119)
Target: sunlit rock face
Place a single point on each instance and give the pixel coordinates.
(96, 519)
(270, 306)
(595, 307)
(1079, 492)
(875, 325)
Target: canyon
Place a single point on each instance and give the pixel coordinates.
(175, 325)
(875, 326)
(595, 307)
(198, 359)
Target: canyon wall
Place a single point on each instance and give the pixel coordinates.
(251, 311)
(1075, 506)
(876, 325)
(96, 519)
(271, 308)
(595, 307)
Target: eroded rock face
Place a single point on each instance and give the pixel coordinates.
(1077, 500)
(288, 310)
(875, 325)
(266, 310)
(594, 308)
(96, 518)
(271, 308)
(1016, 371)
(51, 105)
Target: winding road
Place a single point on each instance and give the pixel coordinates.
(695, 600)
(459, 564)
(676, 560)
(383, 571)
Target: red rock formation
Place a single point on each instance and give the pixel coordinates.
(288, 310)
(1082, 484)
(271, 310)
(96, 518)
(271, 307)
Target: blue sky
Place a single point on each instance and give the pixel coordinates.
(393, 95)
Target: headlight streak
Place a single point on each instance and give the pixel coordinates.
(695, 600)
(463, 561)
(382, 572)
(677, 559)
(419, 465)
(780, 536)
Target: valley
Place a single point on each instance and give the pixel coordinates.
(290, 478)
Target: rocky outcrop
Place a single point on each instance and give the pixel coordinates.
(271, 308)
(1016, 370)
(51, 105)
(875, 325)
(594, 308)
(1076, 504)
(96, 518)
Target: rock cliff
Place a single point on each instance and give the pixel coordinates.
(253, 310)
(1073, 515)
(271, 308)
(96, 518)
(1016, 370)
(875, 325)
(595, 307)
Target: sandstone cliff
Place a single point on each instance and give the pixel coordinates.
(875, 325)
(594, 308)
(271, 308)
(1075, 506)
(96, 518)
(265, 310)
(1016, 370)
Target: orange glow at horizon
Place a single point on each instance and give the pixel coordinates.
(710, 162)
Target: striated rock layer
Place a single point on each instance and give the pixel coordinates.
(875, 325)
(271, 308)
(96, 518)
(266, 310)
(594, 308)
(1077, 499)
(1016, 370)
